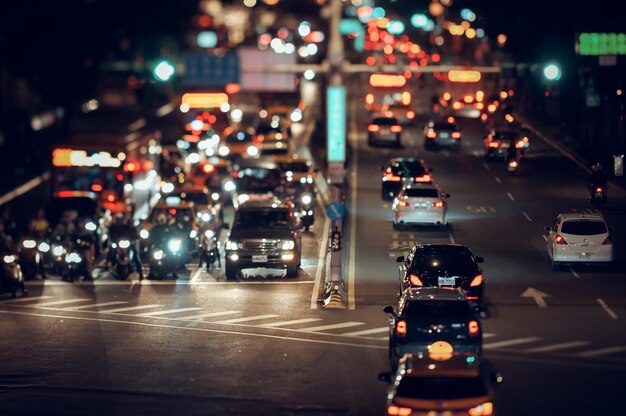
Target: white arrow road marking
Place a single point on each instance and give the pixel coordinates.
(207, 315)
(28, 299)
(537, 295)
(168, 311)
(94, 305)
(508, 343)
(602, 351)
(60, 302)
(249, 318)
(131, 308)
(366, 332)
(334, 326)
(559, 346)
(294, 322)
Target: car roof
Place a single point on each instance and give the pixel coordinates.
(457, 365)
(271, 203)
(581, 216)
(451, 247)
(434, 293)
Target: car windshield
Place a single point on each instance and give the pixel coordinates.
(441, 388)
(385, 121)
(262, 218)
(585, 227)
(421, 193)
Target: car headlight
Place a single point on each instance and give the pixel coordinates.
(9, 259)
(29, 244)
(229, 186)
(288, 245)
(205, 216)
(223, 151)
(174, 245)
(252, 151)
(231, 245)
(193, 234)
(158, 254)
(167, 187)
(58, 250)
(90, 226)
(124, 243)
(144, 234)
(44, 247)
(306, 199)
(209, 233)
(215, 196)
(242, 198)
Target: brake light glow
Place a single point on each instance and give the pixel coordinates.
(492, 144)
(477, 280)
(403, 204)
(486, 409)
(423, 178)
(457, 105)
(520, 144)
(410, 114)
(406, 97)
(558, 239)
(369, 98)
(399, 411)
(390, 177)
(96, 187)
(456, 135)
(415, 280)
(473, 328)
(373, 128)
(401, 328)
(599, 189)
(208, 168)
(396, 129)
(431, 134)
(439, 204)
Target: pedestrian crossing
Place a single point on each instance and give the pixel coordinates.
(492, 342)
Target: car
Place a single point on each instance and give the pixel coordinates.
(442, 134)
(497, 142)
(443, 265)
(419, 204)
(240, 143)
(211, 173)
(401, 171)
(579, 238)
(207, 206)
(272, 137)
(384, 130)
(265, 238)
(404, 113)
(294, 167)
(427, 315)
(254, 179)
(442, 383)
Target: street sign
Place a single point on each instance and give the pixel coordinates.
(335, 211)
(204, 70)
(336, 123)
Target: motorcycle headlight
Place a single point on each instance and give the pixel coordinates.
(73, 258)
(167, 187)
(205, 216)
(113, 245)
(29, 244)
(174, 245)
(215, 196)
(229, 186)
(288, 245)
(252, 151)
(124, 243)
(193, 234)
(158, 254)
(144, 234)
(242, 198)
(58, 250)
(231, 245)
(9, 259)
(209, 233)
(90, 226)
(44, 247)
(306, 199)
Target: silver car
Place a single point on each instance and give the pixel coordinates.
(419, 204)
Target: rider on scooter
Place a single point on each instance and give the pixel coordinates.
(597, 177)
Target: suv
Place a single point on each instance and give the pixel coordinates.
(255, 179)
(264, 235)
(430, 315)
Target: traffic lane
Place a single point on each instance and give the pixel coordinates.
(240, 371)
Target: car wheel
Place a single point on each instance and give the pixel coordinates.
(292, 271)
(396, 226)
(556, 266)
(231, 271)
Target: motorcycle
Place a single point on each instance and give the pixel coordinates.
(598, 195)
(12, 278)
(512, 166)
(209, 250)
(78, 261)
(31, 254)
(166, 257)
(123, 258)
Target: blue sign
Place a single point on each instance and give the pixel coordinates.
(204, 70)
(335, 211)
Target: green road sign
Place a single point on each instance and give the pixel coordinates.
(336, 123)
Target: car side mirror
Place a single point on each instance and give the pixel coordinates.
(399, 259)
(547, 228)
(480, 259)
(386, 377)
(389, 309)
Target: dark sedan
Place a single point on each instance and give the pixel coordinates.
(442, 134)
(443, 265)
(401, 171)
(384, 130)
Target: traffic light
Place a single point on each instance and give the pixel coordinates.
(163, 70)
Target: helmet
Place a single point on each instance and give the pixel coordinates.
(161, 219)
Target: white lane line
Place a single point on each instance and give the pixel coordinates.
(168, 311)
(527, 217)
(545, 237)
(508, 343)
(294, 322)
(207, 315)
(366, 332)
(607, 309)
(488, 335)
(196, 275)
(510, 196)
(601, 351)
(94, 305)
(246, 319)
(486, 166)
(60, 302)
(446, 153)
(131, 308)
(559, 346)
(353, 216)
(451, 238)
(334, 326)
(574, 273)
(28, 299)
(320, 263)
(497, 179)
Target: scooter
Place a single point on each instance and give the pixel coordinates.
(512, 166)
(122, 259)
(11, 279)
(166, 257)
(78, 261)
(598, 195)
(209, 250)
(31, 254)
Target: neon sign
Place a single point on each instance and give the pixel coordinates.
(70, 157)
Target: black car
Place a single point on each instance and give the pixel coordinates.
(401, 171)
(442, 134)
(430, 315)
(443, 265)
(255, 178)
(441, 383)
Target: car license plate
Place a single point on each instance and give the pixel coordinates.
(443, 135)
(446, 281)
(259, 259)
(384, 131)
(584, 255)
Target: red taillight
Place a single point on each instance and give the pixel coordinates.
(401, 328)
(477, 280)
(423, 178)
(439, 204)
(390, 177)
(403, 204)
(415, 280)
(236, 174)
(607, 241)
(208, 168)
(456, 135)
(96, 187)
(473, 328)
(493, 144)
(431, 134)
(399, 411)
(396, 129)
(410, 114)
(559, 239)
(373, 128)
(599, 189)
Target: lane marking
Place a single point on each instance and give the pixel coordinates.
(507, 343)
(497, 179)
(168, 311)
(320, 263)
(196, 275)
(559, 346)
(488, 335)
(246, 319)
(527, 217)
(60, 302)
(207, 315)
(601, 351)
(607, 309)
(353, 198)
(94, 305)
(366, 332)
(130, 308)
(333, 326)
(545, 237)
(574, 273)
(27, 299)
(293, 322)
(510, 196)
(486, 166)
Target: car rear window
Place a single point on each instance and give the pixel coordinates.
(436, 308)
(441, 388)
(454, 263)
(583, 227)
(421, 193)
(385, 121)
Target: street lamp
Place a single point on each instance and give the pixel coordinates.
(552, 72)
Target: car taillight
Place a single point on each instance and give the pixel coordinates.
(493, 144)
(403, 204)
(473, 328)
(423, 178)
(401, 328)
(456, 135)
(373, 128)
(599, 189)
(431, 134)
(559, 239)
(607, 241)
(477, 280)
(396, 129)
(390, 177)
(520, 145)
(399, 411)
(415, 280)
(438, 204)
(485, 409)
(410, 114)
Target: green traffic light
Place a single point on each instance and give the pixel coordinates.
(164, 70)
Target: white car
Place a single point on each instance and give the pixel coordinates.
(420, 204)
(579, 238)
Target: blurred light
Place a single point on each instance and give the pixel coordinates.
(290, 48)
(480, 33)
(387, 80)
(164, 71)
(304, 29)
(467, 14)
(435, 8)
(378, 12)
(439, 41)
(501, 39)
(207, 39)
(232, 88)
(470, 33)
(552, 72)
(464, 76)
(619, 92)
(430, 26)
(225, 107)
(312, 49)
(236, 115)
(316, 37)
(309, 74)
(263, 113)
(204, 100)
(303, 51)
(419, 20)
(395, 27)
(204, 21)
(249, 3)
(283, 33)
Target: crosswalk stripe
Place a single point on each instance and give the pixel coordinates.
(602, 351)
(367, 332)
(559, 346)
(246, 319)
(28, 299)
(130, 308)
(60, 302)
(168, 311)
(295, 321)
(94, 305)
(207, 315)
(334, 326)
(508, 343)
